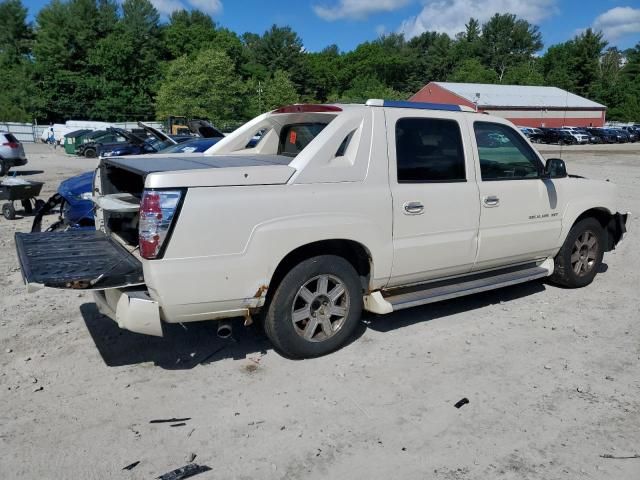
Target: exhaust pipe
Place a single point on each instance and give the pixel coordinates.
(224, 329)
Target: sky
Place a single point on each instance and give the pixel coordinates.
(350, 22)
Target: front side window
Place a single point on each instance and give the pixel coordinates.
(429, 150)
(504, 155)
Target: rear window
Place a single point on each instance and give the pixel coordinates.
(295, 137)
(11, 138)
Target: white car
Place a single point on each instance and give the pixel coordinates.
(338, 208)
(581, 138)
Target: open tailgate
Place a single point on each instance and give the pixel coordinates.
(86, 259)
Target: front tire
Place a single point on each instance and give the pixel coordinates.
(316, 307)
(580, 257)
(90, 153)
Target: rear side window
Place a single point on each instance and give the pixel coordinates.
(11, 138)
(295, 137)
(429, 150)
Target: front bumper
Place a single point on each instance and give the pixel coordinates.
(132, 310)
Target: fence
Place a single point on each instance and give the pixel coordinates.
(29, 132)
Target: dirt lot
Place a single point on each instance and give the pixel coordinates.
(551, 376)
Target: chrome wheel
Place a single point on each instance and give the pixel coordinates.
(320, 308)
(584, 253)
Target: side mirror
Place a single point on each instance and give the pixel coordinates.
(555, 168)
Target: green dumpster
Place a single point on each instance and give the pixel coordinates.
(70, 140)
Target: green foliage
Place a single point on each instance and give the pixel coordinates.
(276, 91)
(203, 85)
(15, 68)
(508, 41)
(15, 33)
(116, 60)
(365, 87)
(472, 71)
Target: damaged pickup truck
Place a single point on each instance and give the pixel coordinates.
(337, 208)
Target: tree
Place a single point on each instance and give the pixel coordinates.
(187, 32)
(587, 50)
(365, 87)
(15, 66)
(435, 57)
(202, 85)
(472, 71)
(526, 73)
(15, 32)
(275, 92)
(279, 48)
(323, 69)
(508, 41)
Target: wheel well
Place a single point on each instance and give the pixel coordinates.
(355, 253)
(605, 219)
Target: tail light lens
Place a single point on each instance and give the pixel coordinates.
(11, 145)
(157, 213)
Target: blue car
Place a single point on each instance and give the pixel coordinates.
(74, 194)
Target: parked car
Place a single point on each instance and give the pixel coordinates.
(137, 145)
(590, 138)
(621, 135)
(196, 145)
(603, 134)
(553, 135)
(339, 208)
(11, 153)
(91, 146)
(581, 138)
(634, 133)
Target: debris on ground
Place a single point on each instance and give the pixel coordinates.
(185, 472)
(622, 457)
(131, 466)
(461, 403)
(170, 420)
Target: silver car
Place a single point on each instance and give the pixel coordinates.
(11, 153)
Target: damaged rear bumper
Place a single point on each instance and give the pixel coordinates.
(132, 310)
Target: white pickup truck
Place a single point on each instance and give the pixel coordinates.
(336, 209)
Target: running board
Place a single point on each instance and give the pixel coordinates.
(377, 303)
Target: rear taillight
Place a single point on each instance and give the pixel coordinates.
(157, 212)
(11, 145)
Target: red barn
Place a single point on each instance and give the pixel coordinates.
(523, 105)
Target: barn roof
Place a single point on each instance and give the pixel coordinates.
(518, 96)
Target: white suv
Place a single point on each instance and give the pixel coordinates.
(581, 138)
(338, 208)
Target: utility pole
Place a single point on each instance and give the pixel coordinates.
(260, 90)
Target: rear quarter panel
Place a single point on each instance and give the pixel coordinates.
(228, 240)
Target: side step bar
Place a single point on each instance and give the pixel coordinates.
(376, 302)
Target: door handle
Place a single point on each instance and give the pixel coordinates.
(491, 201)
(413, 208)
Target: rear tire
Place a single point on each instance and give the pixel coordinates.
(315, 308)
(3, 169)
(578, 261)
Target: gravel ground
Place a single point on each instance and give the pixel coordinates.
(551, 376)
